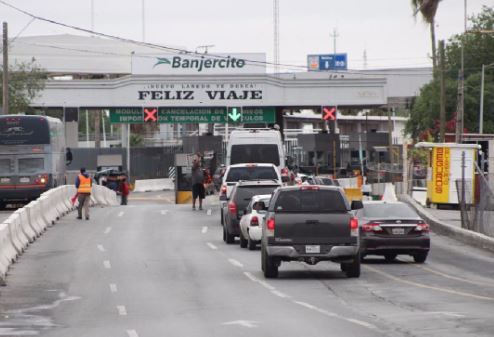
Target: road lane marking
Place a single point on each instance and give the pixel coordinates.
(121, 213)
(107, 264)
(113, 287)
(455, 277)
(204, 229)
(213, 247)
(132, 333)
(250, 276)
(244, 323)
(101, 248)
(209, 212)
(236, 263)
(307, 305)
(279, 294)
(164, 212)
(425, 286)
(266, 285)
(122, 311)
(107, 230)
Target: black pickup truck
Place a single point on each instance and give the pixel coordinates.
(310, 224)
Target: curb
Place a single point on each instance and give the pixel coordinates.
(465, 236)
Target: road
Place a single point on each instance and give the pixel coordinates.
(157, 269)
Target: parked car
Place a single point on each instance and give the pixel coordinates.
(240, 197)
(392, 228)
(251, 221)
(245, 172)
(311, 224)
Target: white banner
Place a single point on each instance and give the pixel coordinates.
(198, 64)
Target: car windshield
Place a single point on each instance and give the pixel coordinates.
(392, 211)
(255, 153)
(313, 201)
(251, 173)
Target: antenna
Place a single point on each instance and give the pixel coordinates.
(205, 47)
(276, 37)
(334, 36)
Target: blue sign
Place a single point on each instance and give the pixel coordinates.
(327, 62)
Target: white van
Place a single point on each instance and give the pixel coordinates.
(256, 146)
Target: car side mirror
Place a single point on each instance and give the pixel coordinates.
(357, 204)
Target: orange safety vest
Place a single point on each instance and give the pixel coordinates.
(84, 184)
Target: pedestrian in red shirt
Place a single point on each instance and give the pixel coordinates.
(124, 191)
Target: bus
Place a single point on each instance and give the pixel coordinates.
(32, 156)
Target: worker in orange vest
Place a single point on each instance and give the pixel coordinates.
(83, 184)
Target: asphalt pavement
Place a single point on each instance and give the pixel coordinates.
(153, 268)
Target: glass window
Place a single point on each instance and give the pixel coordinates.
(251, 173)
(31, 165)
(255, 153)
(244, 194)
(5, 167)
(388, 211)
(28, 130)
(314, 201)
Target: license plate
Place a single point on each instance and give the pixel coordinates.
(312, 249)
(398, 231)
(5, 180)
(24, 180)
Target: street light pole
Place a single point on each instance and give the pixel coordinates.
(482, 79)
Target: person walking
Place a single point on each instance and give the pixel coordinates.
(124, 191)
(83, 184)
(197, 184)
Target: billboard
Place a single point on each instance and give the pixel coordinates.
(198, 64)
(327, 62)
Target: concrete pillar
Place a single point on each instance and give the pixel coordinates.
(491, 164)
(72, 134)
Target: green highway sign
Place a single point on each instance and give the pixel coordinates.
(187, 115)
(192, 115)
(126, 115)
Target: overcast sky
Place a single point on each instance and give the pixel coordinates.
(386, 29)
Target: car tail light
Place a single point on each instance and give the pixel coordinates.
(309, 188)
(423, 227)
(270, 224)
(254, 221)
(42, 179)
(372, 227)
(354, 226)
(232, 207)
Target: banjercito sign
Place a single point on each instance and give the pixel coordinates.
(197, 64)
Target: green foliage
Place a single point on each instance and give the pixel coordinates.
(26, 80)
(478, 50)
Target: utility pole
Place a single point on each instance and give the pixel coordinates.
(461, 85)
(442, 111)
(390, 136)
(276, 36)
(334, 36)
(5, 69)
(143, 22)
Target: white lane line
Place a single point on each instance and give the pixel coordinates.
(107, 230)
(101, 248)
(204, 229)
(107, 264)
(250, 276)
(213, 247)
(121, 310)
(164, 212)
(307, 305)
(279, 294)
(236, 263)
(121, 213)
(132, 333)
(113, 287)
(266, 285)
(209, 212)
(361, 323)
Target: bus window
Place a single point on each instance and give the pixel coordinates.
(5, 166)
(30, 165)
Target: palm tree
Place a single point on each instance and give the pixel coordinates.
(428, 9)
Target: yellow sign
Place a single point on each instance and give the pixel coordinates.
(440, 174)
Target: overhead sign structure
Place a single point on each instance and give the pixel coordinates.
(196, 64)
(327, 62)
(187, 115)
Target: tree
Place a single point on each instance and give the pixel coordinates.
(26, 80)
(428, 9)
(478, 49)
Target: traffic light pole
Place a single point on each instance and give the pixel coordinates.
(5, 70)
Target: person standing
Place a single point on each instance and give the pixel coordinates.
(197, 184)
(124, 191)
(83, 184)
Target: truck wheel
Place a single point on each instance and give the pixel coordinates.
(352, 269)
(229, 238)
(251, 244)
(269, 266)
(243, 241)
(420, 257)
(390, 257)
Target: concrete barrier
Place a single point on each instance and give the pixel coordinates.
(33, 218)
(152, 185)
(18, 239)
(25, 225)
(463, 235)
